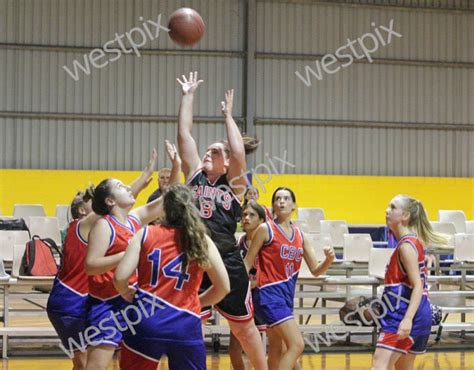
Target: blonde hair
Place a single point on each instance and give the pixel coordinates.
(419, 221)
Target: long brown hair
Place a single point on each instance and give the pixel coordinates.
(183, 214)
(250, 144)
(419, 221)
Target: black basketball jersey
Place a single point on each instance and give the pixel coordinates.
(219, 208)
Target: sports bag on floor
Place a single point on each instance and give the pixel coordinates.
(38, 259)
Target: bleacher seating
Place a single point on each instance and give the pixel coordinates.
(458, 218)
(312, 216)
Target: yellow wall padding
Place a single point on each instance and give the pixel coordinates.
(356, 199)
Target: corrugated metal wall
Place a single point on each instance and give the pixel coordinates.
(351, 122)
(409, 113)
(51, 121)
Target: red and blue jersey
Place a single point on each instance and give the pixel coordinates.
(268, 213)
(398, 290)
(101, 286)
(168, 291)
(162, 270)
(279, 259)
(72, 272)
(69, 294)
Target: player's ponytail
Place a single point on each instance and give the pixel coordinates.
(79, 200)
(419, 221)
(250, 144)
(99, 195)
(182, 213)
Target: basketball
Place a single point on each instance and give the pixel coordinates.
(186, 26)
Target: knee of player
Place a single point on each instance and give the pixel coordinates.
(244, 331)
(297, 345)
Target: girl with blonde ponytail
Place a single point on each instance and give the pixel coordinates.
(406, 325)
(170, 259)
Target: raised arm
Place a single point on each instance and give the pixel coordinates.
(186, 145)
(260, 237)
(146, 176)
(218, 276)
(237, 164)
(175, 175)
(96, 261)
(128, 264)
(309, 256)
(149, 212)
(409, 261)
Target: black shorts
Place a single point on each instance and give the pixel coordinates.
(237, 305)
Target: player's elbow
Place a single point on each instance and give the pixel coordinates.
(119, 282)
(90, 268)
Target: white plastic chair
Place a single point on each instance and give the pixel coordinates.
(464, 247)
(8, 238)
(357, 247)
(469, 227)
(18, 252)
(378, 260)
(3, 274)
(458, 218)
(336, 229)
(27, 210)
(63, 214)
(302, 224)
(312, 216)
(318, 242)
(45, 227)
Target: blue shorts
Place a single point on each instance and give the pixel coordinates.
(105, 322)
(70, 330)
(67, 311)
(273, 305)
(180, 356)
(164, 330)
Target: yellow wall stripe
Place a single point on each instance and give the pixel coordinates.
(356, 199)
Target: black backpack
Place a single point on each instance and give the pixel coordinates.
(14, 224)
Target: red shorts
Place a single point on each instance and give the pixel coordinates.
(133, 361)
(392, 342)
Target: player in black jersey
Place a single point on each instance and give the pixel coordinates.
(218, 182)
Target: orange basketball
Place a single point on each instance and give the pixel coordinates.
(186, 26)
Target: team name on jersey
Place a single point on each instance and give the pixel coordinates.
(290, 252)
(214, 194)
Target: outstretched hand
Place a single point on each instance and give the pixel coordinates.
(150, 167)
(172, 152)
(226, 105)
(190, 85)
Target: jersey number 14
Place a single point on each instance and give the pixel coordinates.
(175, 269)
